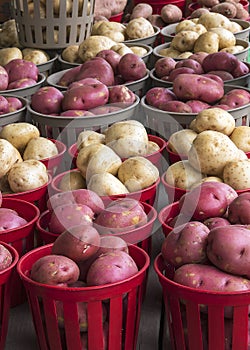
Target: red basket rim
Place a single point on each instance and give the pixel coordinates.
(175, 154)
(167, 185)
(149, 209)
(26, 203)
(158, 266)
(23, 275)
(161, 213)
(39, 191)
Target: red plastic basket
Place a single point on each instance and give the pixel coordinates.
(173, 156)
(191, 329)
(37, 196)
(5, 291)
(122, 301)
(21, 239)
(54, 164)
(166, 214)
(141, 236)
(147, 195)
(155, 157)
(117, 17)
(157, 5)
(173, 193)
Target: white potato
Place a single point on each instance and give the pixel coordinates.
(207, 179)
(8, 54)
(211, 150)
(70, 54)
(90, 47)
(170, 52)
(127, 138)
(137, 173)
(184, 40)
(152, 147)
(237, 174)
(19, 134)
(233, 49)
(241, 137)
(27, 175)
(73, 180)
(106, 184)
(40, 148)
(213, 20)
(182, 175)
(226, 37)
(84, 156)
(9, 156)
(181, 141)
(139, 50)
(214, 119)
(104, 160)
(88, 137)
(36, 56)
(139, 28)
(186, 24)
(121, 49)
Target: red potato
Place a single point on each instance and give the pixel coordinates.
(216, 222)
(141, 10)
(209, 199)
(220, 61)
(164, 66)
(132, 67)
(176, 106)
(157, 96)
(84, 81)
(69, 76)
(97, 68)
(171, 13)
(47, 100)
(186, 244)
(104, 109)
(197, 87)
(78, 243)
(156, 20)
(18, 69)
(55, 270)
(228, 249)
(199, 56)
(121, 93)
(76, 113)
(224, 75)
(239, 209)
(108, 243)
(14, 103)
(82, 309)
(235, 98)
(210, 278)
(110, 268)
(68, 215)
(197, 106)
(5, 258)
(121, 215)
(111, 57)
(21, 83)
(177, 71)
(9, 220)
(4, 81)
(3, 105)
(80, 196)
(240, 70)
(190, 63)
(85, 97)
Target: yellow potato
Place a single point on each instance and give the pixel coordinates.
(106, 184)
(9, 156)
(73, 180)
(226, 38)
(184, 40)
(207, 42)
(181, 141)
(8, 54)
(138, 28)
(241, 137)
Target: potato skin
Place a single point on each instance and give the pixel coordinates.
(5, 258)
(197, 87)
(206, 277)
(186, 244)
(228, 249)
(239, 209)
(55, 270)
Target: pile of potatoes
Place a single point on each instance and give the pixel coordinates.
(113, 163)
(213, 149)
(106, 35)
(230, 9)
(170, 13)
(211, 32)
(37, 56)
(21, 151)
